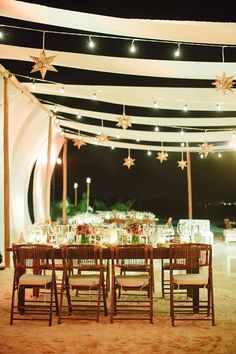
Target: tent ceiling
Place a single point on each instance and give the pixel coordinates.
(123, 80)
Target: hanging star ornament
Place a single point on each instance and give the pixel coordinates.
(224, 83)
(182, 164)
(124, 121)
(161, 156)
(129, 162)
(102, 139)
(205, 148)
(43, 63)
(79, 141)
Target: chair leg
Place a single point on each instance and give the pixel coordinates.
(172, 314)
(51, 303)
(212, 307)
(56, 296)
(104, 295)
(12, 303)
(162, 279)
(61, 300)
(151, 301)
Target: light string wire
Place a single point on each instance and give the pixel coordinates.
(137, 39)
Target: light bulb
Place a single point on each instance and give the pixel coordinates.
(33, 86)
(182, 132)
(1, 34)
(62, 90)
(219, 108)
(155, 104)
(156, 128)
(132, 47)
(112, 147)
(55, 109)
(182, 144)
(185, 108)
(149, 153)
(78, 116)
(94, 96)
(59, 161)
(201, 156)
(219, 155)
(91, 43)
(177, 52)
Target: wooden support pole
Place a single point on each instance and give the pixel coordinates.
(189, 179)
(64, 191)
(6, 174)
(48, 176)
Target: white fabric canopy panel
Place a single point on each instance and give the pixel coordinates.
(28, 136)
(184, 31)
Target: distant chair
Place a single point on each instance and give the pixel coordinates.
(229, 232)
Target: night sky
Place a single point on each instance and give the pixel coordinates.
(159, 188)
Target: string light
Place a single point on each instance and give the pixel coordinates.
(182, 132)
(33, 86)
(1, 34)
(55, 109)
(155, 104)
(149, 153)
(132, 47)
(185, 108)
(219, 107)
(156, 128)
(62, 90)
(94, 96)
(182, 144)
(177, 52)
(59, 161)
(78, 116)
(117, 37)
(201, 156)
(91, 43)
(219, 155)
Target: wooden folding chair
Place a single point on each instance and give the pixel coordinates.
(83, 273)
(132, 283)
(33, 269)
(196, 260)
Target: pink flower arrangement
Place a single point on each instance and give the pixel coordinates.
(84, 229)
(134, 227)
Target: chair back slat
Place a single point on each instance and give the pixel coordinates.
(81, 257)
(190, 255)
(32, 256)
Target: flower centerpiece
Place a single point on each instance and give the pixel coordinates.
(84, 231)
(135, 229)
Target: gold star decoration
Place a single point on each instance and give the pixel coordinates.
(205, 148)
(161, 156)
(79, 141)
(224, 83)
(129, 162)
(102, 139)
(124, 121)
(43, 63)
(182, 164)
